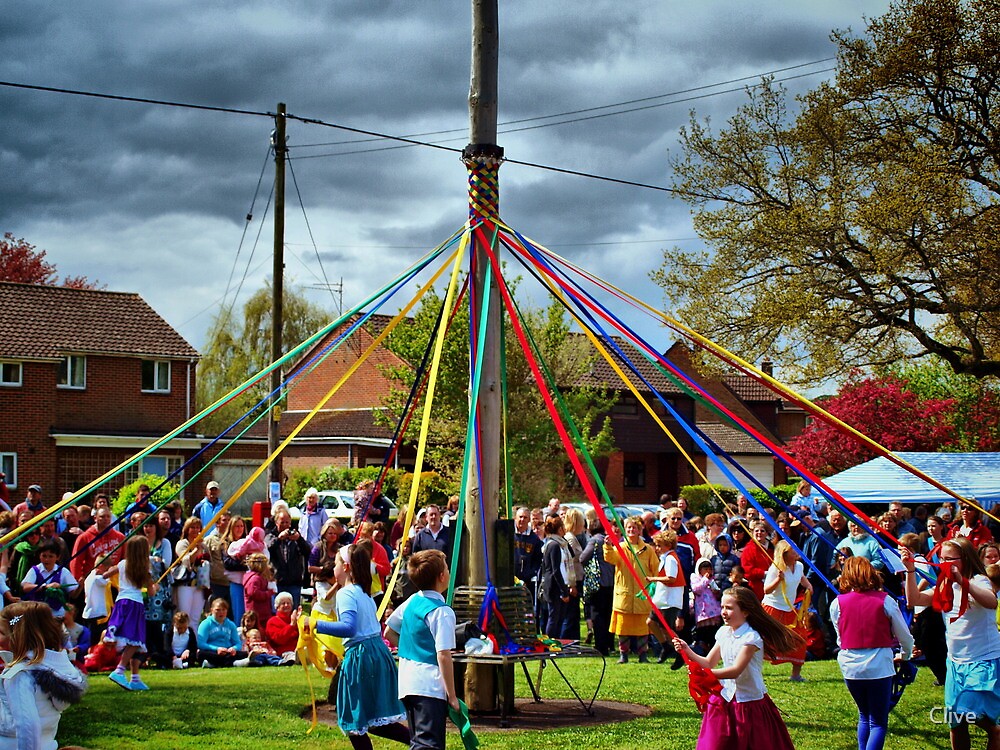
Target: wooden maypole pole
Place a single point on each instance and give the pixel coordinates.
(482, 158)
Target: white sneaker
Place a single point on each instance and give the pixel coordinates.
(242, 662)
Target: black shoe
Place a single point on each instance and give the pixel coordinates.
(678, 662)
(643, 659)
(623, 659)
(662, 657)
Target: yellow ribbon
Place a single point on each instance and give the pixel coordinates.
(311, 651)
(418, 466)
(375, 345)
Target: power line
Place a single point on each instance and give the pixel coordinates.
(607, 106)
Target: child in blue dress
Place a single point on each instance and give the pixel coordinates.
(366, 691)
(966, 599)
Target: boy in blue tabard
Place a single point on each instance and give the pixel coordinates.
(424, 629)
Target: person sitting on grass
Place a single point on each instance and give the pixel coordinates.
(282, 630)
(218, 642)
(183, 641)
(262, 654)
(76, 637)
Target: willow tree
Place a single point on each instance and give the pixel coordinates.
(239, 346)
(862, 228)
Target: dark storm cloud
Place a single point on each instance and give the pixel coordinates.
(154, 199)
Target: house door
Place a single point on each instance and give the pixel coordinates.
(231, 475)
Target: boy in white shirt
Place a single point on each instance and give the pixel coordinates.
(424, 629)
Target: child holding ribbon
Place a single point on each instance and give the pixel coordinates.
(743, 716)
(966, 598)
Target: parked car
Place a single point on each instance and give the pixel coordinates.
(339, 504)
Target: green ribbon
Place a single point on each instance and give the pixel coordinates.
(463, 721)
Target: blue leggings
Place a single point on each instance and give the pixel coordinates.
(872, 697)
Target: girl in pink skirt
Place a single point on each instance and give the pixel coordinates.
(743, 717)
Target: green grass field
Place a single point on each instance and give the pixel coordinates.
(253, 708)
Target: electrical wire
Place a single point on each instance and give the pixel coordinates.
(598, 108)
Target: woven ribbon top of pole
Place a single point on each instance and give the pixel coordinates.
(483, 162)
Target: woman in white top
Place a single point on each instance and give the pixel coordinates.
(781, 585)
(972, 683)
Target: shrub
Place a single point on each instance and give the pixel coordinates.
(126, 495)
(338, 478)
(433, 489)
(702, 499)
(299, 480)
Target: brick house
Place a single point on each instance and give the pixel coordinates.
(87, 378)
(646, 464)
(345, 433)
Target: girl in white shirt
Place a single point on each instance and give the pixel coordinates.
(968, 603)
(40, 681)
(748, 634)
(781, 585)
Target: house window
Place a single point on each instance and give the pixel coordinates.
(155, 376)
(73, 372)
(10, 374)
(8, 465)
(161, 466)
(626, 406)
(635, 474)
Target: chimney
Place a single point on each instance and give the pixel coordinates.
(767, 367)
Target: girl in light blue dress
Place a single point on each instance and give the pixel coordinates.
(367, 689)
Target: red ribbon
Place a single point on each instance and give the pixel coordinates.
(702, 685)
(701, 679)
(944, 593)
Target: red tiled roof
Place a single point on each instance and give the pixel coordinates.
(44, 322)
(345, 423)
(732, 439)
(749, 389)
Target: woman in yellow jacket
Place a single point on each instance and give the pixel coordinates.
(631, 608)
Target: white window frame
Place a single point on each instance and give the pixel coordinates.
(172, 463)
(72, 363)
(9, 459)
(158, 364)
(11, 383)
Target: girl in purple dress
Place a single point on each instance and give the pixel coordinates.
(127, 625)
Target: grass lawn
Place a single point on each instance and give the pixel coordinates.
(254, 708)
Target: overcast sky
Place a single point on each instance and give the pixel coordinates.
(153, 199)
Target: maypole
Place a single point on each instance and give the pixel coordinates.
(482, 159)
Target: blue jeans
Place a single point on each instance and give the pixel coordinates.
(237, 602)
(872, 697)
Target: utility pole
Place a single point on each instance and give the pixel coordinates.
(277, 288)
(482, 158)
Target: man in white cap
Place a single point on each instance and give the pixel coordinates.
(207, 507)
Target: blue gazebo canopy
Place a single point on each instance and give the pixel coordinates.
(972, 475)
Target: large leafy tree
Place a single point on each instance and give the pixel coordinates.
(882, 408)
(536, 457)
(975, 411)
(913, 406)
(22, 262)
(240, 346)
(862, 229)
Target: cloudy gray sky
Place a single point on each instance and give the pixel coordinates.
(153, 199)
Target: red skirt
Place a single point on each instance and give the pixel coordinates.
(755, 725)
(787, 618)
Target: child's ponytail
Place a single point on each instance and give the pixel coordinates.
(778, 638)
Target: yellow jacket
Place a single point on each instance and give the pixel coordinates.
(645, 562)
